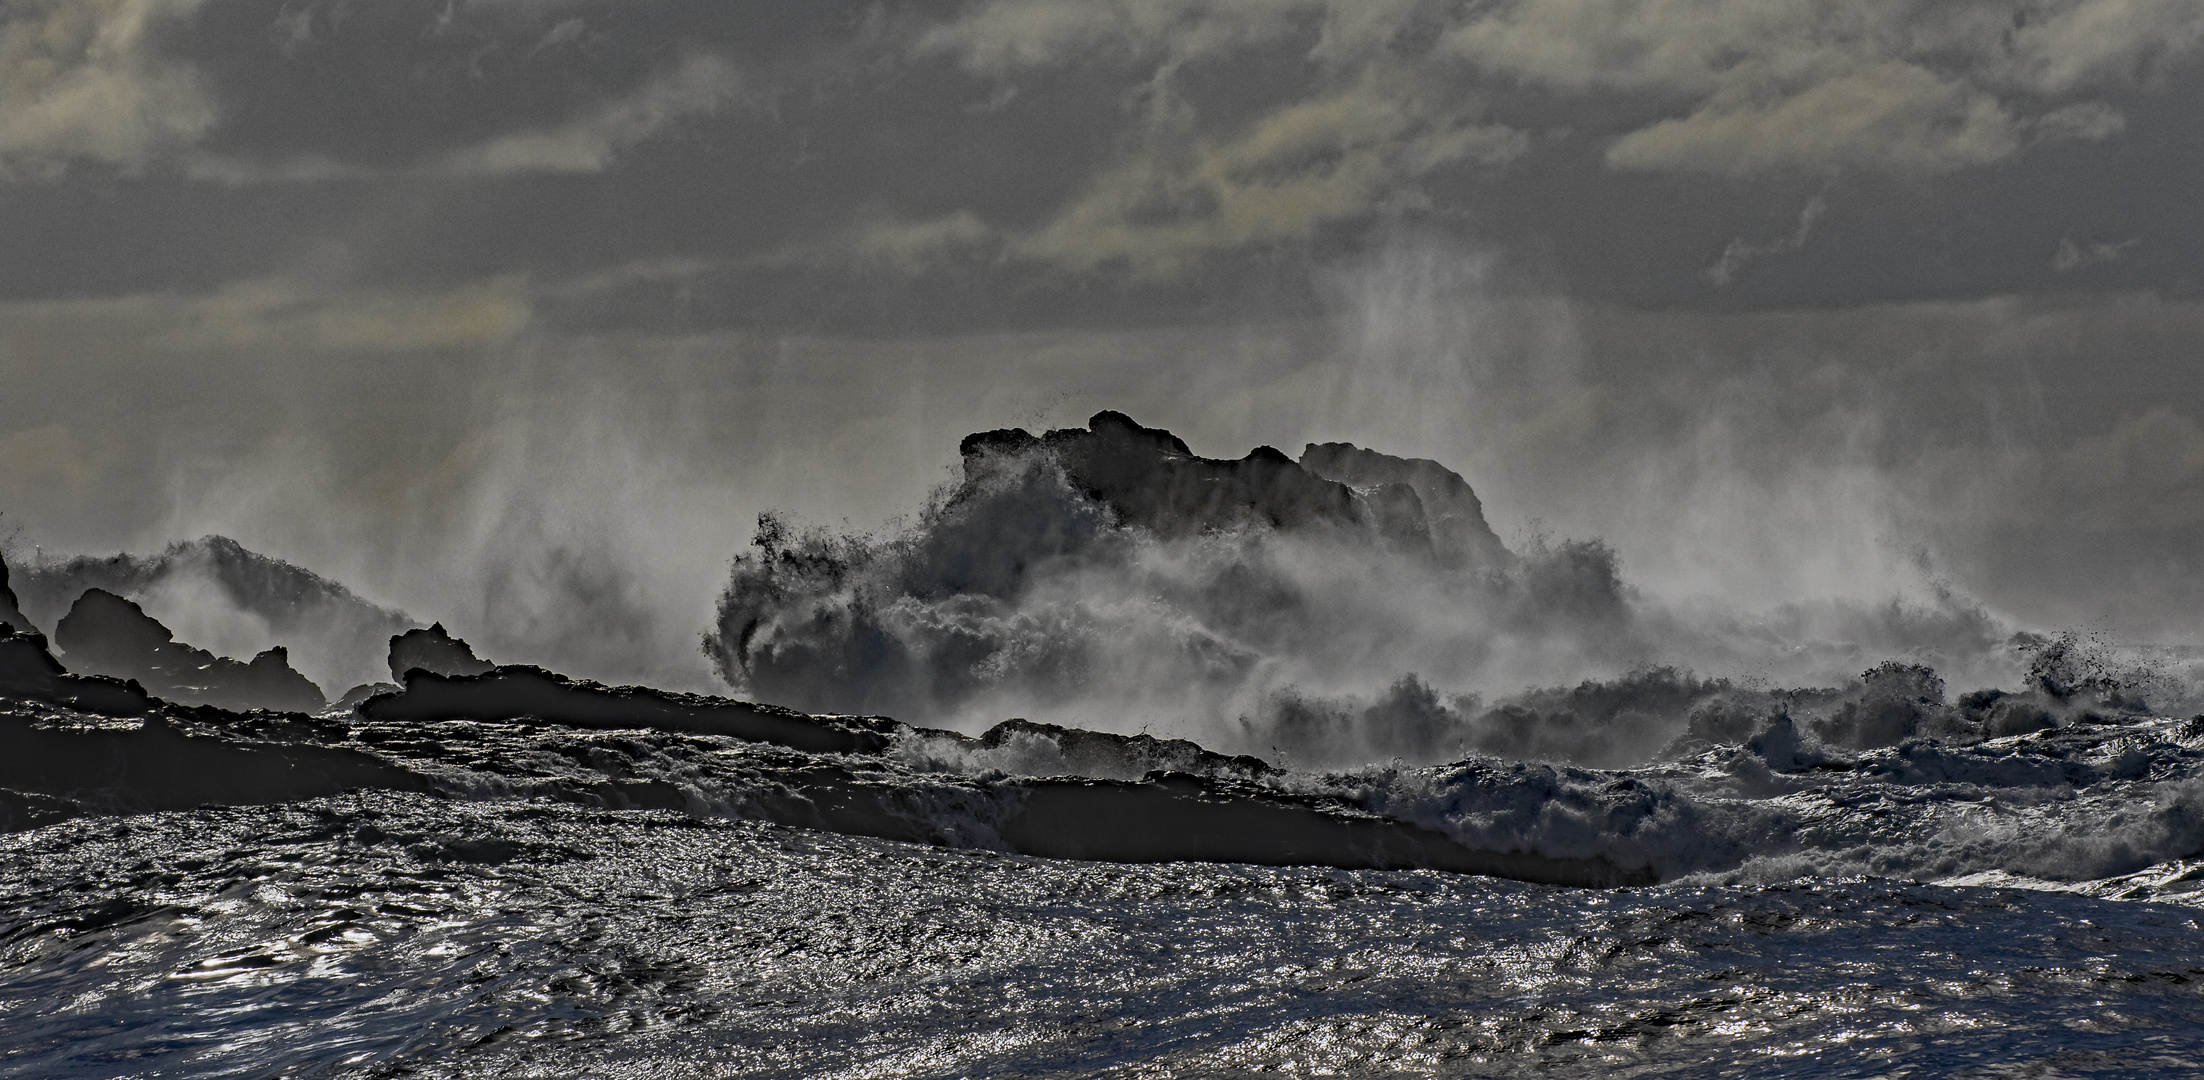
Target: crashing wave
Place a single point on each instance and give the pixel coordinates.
(1109, 578)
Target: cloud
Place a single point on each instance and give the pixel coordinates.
(1319, 160)
(2073, 256)
(699, 85)
(81, 81)
(1893, 117)
(1353, 139)
(1741, 251)
(86, 81)
(1000, 37)
(1884, 85)
(1750, 86)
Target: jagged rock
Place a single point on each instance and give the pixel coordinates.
(1411, 495)
(104, 634)
(29, 671)
(11, 614)
(433, 650)
(1152, 479)
(331, 632)
(353, 697)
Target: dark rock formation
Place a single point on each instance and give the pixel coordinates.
(520, 692)
(11, 615)
(435, 651)
(331, 631)
(1411, 495)
(1153, 480)
(105, 634)
(29, 672)
(352, 698)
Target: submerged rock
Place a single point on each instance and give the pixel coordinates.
(104, 634)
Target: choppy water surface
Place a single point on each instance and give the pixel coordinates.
(392, 934)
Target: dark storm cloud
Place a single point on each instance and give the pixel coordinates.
(1105, 147)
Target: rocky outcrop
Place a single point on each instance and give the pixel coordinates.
(332, 634)
(433, 650)
(520, 692)
(1411, 496)
(1154, 481)
(29, 672)
(11, 614)
(104, 634)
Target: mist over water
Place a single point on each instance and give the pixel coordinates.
(1790, 522)
(1690, 663)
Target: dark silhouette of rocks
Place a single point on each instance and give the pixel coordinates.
(11, 615)
(352, 698)
(1153, 480)
(433, 650)
(330, 630)
(520, 692)
(104, 634)
(29, 672)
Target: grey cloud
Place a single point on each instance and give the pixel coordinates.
(1884, 85)
(1330, 157)
(80, 81)
(998, 37)
(2074, 256)
(1891, 85)
(131, 84)
(699, 85)
(1354, 137)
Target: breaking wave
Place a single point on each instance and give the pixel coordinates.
(1344, 608)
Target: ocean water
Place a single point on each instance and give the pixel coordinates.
(1322, 780)
(513, 919)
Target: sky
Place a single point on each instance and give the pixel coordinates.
(515, 313)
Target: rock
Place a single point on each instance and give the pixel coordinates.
(104, 634)
(1409, 494)
(29, 671)
(433, 650)
(353, 697)
(11, 614)
(520, 692)
(1152, 479)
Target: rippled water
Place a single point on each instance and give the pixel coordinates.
(392, 934)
